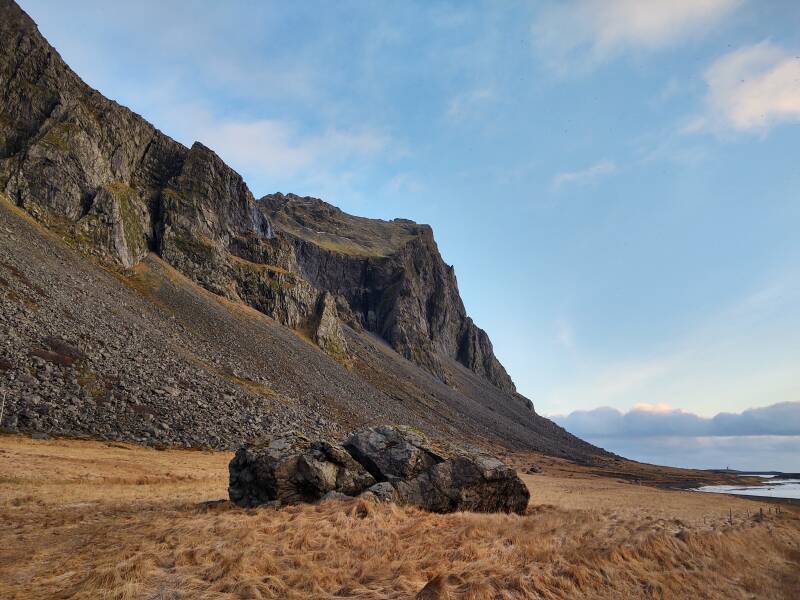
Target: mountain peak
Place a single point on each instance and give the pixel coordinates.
(117, 189)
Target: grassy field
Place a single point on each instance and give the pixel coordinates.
(82, 519)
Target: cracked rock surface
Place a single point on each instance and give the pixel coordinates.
(291, 469)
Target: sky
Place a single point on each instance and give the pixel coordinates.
(616, 182)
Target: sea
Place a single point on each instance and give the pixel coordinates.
(771, 488)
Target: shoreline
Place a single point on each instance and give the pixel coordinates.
(690, 486)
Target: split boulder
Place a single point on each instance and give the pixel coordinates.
(292, 469)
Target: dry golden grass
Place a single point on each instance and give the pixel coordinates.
(96, 520)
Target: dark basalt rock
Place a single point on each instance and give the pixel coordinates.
(118, 188)
(393, 280)
(292, 469)
(469, 482)
(390, 453)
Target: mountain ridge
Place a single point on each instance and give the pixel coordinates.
(120, 191)
(124, 187)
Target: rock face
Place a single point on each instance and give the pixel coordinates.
(391, 453)
(114, 185)
(165, 362)
(393, 281)
(469, 482)
(292, 469)
(155, 359)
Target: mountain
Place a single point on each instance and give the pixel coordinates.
(149, 296)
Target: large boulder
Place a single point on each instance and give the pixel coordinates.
(386, 463)
(392, 453)
(470, 482)
(292, 469)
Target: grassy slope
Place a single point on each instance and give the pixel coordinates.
(90, 519)
(330, 228)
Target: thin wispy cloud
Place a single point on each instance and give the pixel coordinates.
(469, 104)
(276, 147)
(584, 33)
(565, 334)
(404, 183)
(710, 362)
(751, 90)
(587, 175)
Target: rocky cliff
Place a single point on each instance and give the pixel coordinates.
(119, 188)
(390, 279)
(355, 319)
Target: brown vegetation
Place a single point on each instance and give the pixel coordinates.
(84, 519)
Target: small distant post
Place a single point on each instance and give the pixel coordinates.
(730, 516)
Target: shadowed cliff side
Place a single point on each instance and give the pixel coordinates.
(392, 280)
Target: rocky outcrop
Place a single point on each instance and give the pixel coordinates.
(113, 185)
(291, 469)
(392, 279)
(391, 453)
(116, 187)
(471, 482)
(326, 327)
(66, 148)
(163, 361)
(203, 209)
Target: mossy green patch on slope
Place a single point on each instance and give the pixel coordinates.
(58, 136)
(126, 198)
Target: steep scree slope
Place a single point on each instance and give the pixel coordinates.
(148, 355)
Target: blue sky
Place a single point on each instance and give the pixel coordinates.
(615, 182)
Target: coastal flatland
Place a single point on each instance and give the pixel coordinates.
(91, 519)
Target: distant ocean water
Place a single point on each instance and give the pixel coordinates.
(781, 488)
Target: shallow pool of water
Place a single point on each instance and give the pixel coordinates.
(781, 488)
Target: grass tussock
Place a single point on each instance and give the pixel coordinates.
(105, 535)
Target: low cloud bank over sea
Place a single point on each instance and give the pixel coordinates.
(765, 438)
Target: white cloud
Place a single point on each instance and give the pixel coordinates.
(274, 147)
(565, 334)
(653, 408)
(587, 32)
(404, 183)
(751, 90)
(603, 167)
